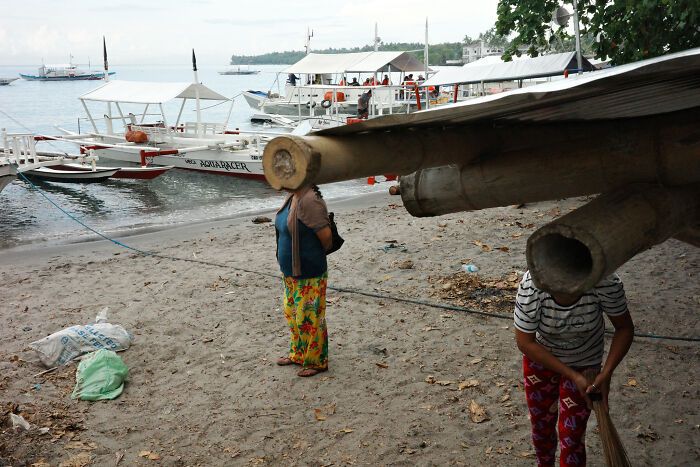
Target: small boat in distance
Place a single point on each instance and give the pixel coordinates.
(239, 71)
(68, 72)
(6, 81)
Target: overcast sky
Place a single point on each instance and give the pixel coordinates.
(163, 32)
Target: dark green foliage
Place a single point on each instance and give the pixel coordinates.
(627, 30)
(439, 53)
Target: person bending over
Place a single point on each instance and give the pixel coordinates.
(560, 336)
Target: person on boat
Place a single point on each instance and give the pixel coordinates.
(342, 82)
(292, 79)
(366, 83)
(303, 232)
(385, 81)
(363, 104)
(560, 336)
(354, 82)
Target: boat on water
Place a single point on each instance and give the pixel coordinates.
(67, 72)
(239, 71)
(70, 176)
(320, 84)
(18, 155)
(6, 81)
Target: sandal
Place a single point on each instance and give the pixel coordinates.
(307, 372)
(285, 361)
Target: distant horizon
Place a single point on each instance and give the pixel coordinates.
(150, 33)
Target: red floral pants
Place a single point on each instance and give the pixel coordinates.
(551, 396)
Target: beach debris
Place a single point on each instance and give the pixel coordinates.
(476, 291)
(149, 455)
(477, 413)
(470, 383)
(320, 417)
(393, 245)
(100, 376)
(79, 460)
(118, 458)
(484, 247)
(346, 430)
(63, 346)
(632, 382)
(476, 360)
(395, 190)
(19, 423)
(408, 264)
(261, 220)
(381, 365)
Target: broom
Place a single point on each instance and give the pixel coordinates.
(613, 450)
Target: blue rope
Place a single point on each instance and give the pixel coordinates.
(337, 289)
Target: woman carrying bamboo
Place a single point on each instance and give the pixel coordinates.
(560, 336)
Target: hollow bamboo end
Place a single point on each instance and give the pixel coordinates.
(564, 260)
(288, 162)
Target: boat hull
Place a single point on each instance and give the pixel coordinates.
(83, 77)
(243, 164)
(132, 173)
(70, 176)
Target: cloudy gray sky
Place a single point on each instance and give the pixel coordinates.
(163, 32)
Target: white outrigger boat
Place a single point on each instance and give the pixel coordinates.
(327, 88)
(201, 146)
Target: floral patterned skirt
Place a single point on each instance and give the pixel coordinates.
(305, 310)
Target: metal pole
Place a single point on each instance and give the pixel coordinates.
(578, 38)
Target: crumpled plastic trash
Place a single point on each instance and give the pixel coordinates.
(63, 346)
(19, 423)
(100, 375)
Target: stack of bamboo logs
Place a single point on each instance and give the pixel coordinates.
(647, 169)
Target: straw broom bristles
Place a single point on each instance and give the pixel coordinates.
(613, 450)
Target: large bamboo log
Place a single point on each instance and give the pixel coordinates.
(573, 253)
(652, 151)
(626, 150)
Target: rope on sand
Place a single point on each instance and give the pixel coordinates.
(337, 289)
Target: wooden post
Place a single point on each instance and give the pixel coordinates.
(573, 253)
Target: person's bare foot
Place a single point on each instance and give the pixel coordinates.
(285, 361)
(306, 372)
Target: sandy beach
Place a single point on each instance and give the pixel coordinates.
(408, 384)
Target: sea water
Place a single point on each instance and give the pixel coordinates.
(118, 206)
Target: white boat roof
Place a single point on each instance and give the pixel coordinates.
(356, 62)
(493, 68)
(649, 87)
(140, 92)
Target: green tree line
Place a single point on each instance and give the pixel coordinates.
(438, 53)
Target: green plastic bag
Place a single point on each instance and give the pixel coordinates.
(100, 376)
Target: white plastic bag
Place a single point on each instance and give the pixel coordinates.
(63, 346)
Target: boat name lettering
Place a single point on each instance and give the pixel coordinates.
(190, 161)
(224, 165)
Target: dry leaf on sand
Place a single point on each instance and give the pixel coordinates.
(483, 246)
(81, 460)
(149, 455)
(476, 360)
(470, 383)
(318, 413)
(632, 382)
(477, 413)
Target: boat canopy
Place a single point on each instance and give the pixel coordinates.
(356, 62)
(493, 68)
(648, 87)
(138, 92)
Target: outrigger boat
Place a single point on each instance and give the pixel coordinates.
(327, 90)
(67, 72)
(135, 137)
(18, 154)
(6, 81)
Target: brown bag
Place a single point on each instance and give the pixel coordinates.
(136, 137)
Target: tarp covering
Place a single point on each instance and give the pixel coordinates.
(491, 69)
(649, 87)
(137, 92)
(356, 62)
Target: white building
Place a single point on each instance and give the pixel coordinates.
(478, 49)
